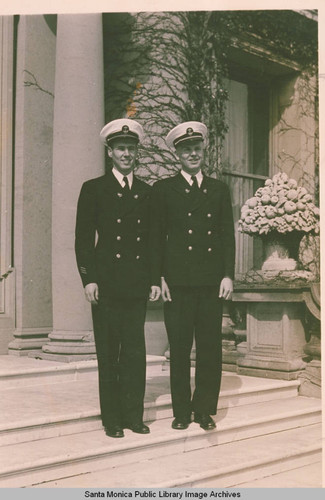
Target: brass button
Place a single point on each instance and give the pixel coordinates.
(138, 257)
(209, 232)
(118, 256)
(209, 249)
(190, 248)
(189, 214)
(136, 196)
(119, 195)
(205, 191)
(119, 221)
(138, 238)
(187, 191)
(139, 220)
(118, 238)
(208, 215)
(190, 231)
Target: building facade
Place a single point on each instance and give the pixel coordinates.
(58, 85)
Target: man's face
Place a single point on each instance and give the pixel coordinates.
(123, 153)
(191, 156)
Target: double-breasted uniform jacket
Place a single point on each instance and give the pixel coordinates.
(119, 260)
(192, 232)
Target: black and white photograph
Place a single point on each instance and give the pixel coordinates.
(160, 255)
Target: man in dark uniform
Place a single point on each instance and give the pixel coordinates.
(193, 254)
(113, 260)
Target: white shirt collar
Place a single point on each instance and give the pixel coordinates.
(120, 176)
(187, 177)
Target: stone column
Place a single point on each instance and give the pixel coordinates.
(7, 313)
(34, 101)
(77, 156)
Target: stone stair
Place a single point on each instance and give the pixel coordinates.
(229, 465)
(51, 433)
(24, 371)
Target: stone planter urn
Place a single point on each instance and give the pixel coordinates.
(281, 213)
(281, 251)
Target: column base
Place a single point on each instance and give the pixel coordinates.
(22, 347)
(68, 346)
(73, 336)
(72, 348)
(27, 340)
(62, 358)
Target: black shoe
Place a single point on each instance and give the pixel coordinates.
(180, 423)
(205, 421)
(114, 431)
(139, 428)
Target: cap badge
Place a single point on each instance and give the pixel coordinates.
(125, 129)
(189, 131)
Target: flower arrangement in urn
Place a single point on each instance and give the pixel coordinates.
(281, 206)
(278, 208)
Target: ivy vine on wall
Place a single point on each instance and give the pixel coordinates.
(163, 68)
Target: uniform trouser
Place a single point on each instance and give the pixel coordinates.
(194, 312)
(120, 347)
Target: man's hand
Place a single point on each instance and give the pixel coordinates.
(226, 288)
(91, 293)
(154, 294)
(165, 293)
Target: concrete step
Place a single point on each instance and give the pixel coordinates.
(27, 464)
(70, 407)
(307, 476)
(26, 372)
(230, 464)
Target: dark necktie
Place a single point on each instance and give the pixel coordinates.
(127, 186)
(195, 186)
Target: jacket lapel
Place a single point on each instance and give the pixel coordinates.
(208, 187)
(200, 197)
(111, 184)
(113, 195)
(181, 186)
(194, 199)
(136, 194)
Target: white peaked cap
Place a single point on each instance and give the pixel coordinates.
(121, 129)
(186, 131)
